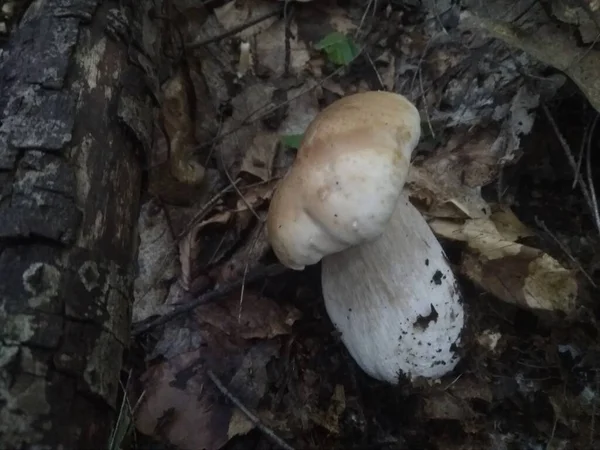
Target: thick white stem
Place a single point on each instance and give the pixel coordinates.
(396, 301)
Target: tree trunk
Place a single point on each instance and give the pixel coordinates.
(70, 183)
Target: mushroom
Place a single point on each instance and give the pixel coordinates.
(387, 285)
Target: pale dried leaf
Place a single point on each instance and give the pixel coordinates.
(515, 273)
(157, 261)
(235, 14)
(258, 160)
(271, 48)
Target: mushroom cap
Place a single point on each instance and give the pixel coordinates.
(347, 177)
(396, 301)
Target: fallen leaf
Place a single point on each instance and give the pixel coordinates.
(258, 157)
(181, 404)
(330, 419)
(247, 257)
(339, 48)
(156, 261)
(250, 317)
(449, 183)
(515, 273)
(179, 127)
(236, 14)
(444, 406)
(271, 49)
(197, 252)
(249, 385)
(185, 412)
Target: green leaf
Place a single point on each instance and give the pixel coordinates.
(339, 48)
(292, 140)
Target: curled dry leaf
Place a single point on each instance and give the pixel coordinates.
(515, 273)
(181, 405)
(156, 261)
(196, 252)
(247, 257)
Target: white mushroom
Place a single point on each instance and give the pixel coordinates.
(387, 285)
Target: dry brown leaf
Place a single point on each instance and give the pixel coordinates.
(449, 183)
(260, 153)
(330, 419)
(184, 411)
(247, 106)
(191, 246)
(515, 273)
(255, 317)
(247, 257)
(179, 127)
(258, 156)
(235, 14)
(157, 261)
(444, 406)
(181, 404)
(271, 50)
(249, 384)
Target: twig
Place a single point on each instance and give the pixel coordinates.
(588, 161)
(248, 205)
(580, 157)
(255, 420)
(182, 308)
(269, 108)
(233, 31)
(565, 250)
(261, 224)
(567, 150)
(206, 208)
(287, 18)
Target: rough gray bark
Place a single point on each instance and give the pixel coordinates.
(69, 193)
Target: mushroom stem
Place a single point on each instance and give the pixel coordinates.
(395, 300)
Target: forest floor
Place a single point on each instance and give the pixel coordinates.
(500, 118)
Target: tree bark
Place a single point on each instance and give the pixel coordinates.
(70, 183)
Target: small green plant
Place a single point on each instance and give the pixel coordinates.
(292, 140)
(339, 48)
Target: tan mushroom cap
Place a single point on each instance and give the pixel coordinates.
(347, 177)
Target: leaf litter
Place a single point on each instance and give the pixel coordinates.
(487, 168)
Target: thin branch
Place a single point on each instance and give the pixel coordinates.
(248, 205)
(182, 308)
(255, 420)
(573, 163)
(565, 250)
(206, 208)
(233, 31)
(588, 161)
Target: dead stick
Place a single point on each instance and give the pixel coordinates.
(255, 420)
(182, 308)
(233, 31)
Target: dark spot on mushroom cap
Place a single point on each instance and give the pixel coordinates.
(427, 262)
